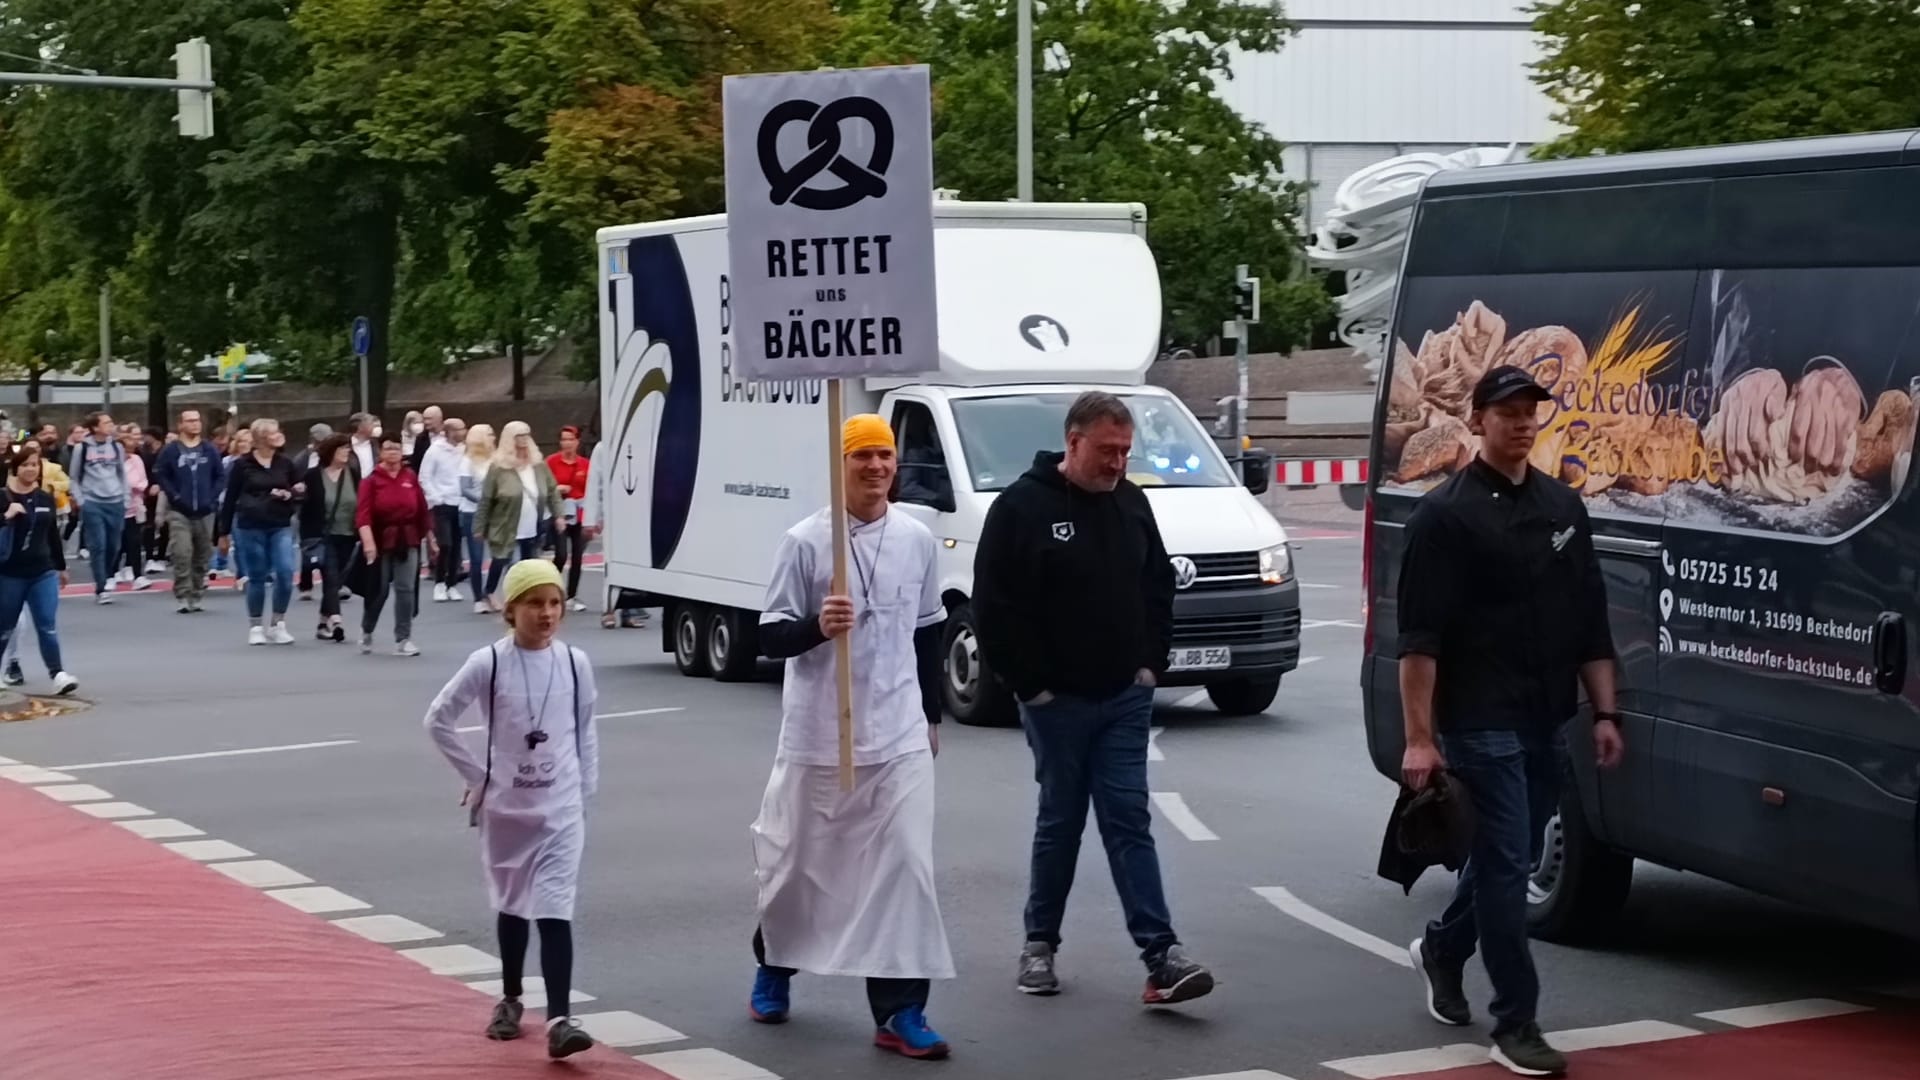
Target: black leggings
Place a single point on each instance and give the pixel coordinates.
(132, 549)
(556, 960)
(884, 996)
(570, 546)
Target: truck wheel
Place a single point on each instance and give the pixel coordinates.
(969, 691)
(690, 641)
(1580, 884)
(732, 650)
(1244, 697)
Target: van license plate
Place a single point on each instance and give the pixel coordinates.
(1208, 658)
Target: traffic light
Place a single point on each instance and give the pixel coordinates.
(193, 63)
(1246, 298)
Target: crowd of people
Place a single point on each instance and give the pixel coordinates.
(358, 513)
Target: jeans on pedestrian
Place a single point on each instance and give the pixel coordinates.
(1095, 751)
(570, 555)
(476, 555)
(41, 596)
(447, 532)
(399, 574)
(101, 523)
(523, 549)
(262, 553)
(190, 552)
(336, 561)
(1515, 782)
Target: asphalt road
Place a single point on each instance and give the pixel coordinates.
(1285, 801)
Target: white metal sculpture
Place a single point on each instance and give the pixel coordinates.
(1366, 232)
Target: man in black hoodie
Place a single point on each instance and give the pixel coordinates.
(1073, 598)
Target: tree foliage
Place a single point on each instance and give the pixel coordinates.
(1644, 75)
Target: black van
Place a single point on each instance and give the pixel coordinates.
(1732, 339)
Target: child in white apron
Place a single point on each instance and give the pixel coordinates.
(527, 795)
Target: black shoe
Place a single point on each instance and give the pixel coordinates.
(1446, 990)
(506, 1021)
(1175, 978)
(14, 676)
(567, 1038)
(1036, 970)
(1525, 1051)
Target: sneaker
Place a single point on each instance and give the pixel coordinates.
(142, 582)
(1524, 1051)
(306, 596)
(575, 605)
(454, 593)
(366, 644)
(479, 607)
(1446, 987)
(439, 594)
(103, 598)
(324, 633)
(338, 634)
(194, 606)
(14, 676)
(906, 1032)
(256, 635)
(124, 576)
(184, 608)
(506, 1020)
(1036, 970)
(1175, 978)
(565, 1038)
(406, 648)
(239, 584)
(64, 684)
(280, 635)
(772, 996)
(156, 566)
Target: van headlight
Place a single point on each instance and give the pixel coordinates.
(1276, 565)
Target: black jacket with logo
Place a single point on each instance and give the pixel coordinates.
(1073, 592)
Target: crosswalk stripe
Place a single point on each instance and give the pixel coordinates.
(623, 1028)
(1784, 1012)
(705, 1064)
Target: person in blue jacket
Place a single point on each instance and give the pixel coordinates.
(189, 473)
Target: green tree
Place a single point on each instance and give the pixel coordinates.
(1646, 76)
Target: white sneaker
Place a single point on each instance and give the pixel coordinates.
(440, 594)
(280, 635)
(64, 684)
(142, 582)
(239, 584)
(479, 607)
(103, 598)
(454, 593)
(256, 635)
(156, 566)
(366, 644)
(575, 605)
(125, 575)
(406, 648)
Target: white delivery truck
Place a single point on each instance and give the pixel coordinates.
(1038, 303)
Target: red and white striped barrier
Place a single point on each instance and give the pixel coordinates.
(1303, 472)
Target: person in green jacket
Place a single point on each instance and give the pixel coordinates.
(518, 501)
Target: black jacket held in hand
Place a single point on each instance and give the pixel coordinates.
(1073, 592)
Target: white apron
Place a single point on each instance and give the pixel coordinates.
(846, 880)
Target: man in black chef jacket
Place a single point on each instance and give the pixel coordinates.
(1502, 607)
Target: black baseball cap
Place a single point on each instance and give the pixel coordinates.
(1506, 381)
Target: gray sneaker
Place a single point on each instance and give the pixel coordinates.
(1175, 978)
(1446, 986)
(506, 1021)
(1525, 1051)
(566, 1038)
(1036, 970)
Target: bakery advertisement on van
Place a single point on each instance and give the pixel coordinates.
(1756, 399)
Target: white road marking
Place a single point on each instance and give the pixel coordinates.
(454, 959)
(1374, 1066)
(111, 810)
(8, 761)
(32, 774)
(601, 716)
(1320, 920)
(263, 873)
(73, 793)
(1784, 1012)
(1153, 745)
(160, 828)
(209, 754)
(533, 991)
(1318, 585)
(1305, 660)
(318, 899)
(623, 1028)
(1174, 809)
(208, 850)
(1315, 624)
(1250, 1074)
(387, 929)
(1628, 1034)
(1192, 701)
(705, 1064)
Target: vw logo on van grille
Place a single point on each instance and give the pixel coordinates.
(1184, 572)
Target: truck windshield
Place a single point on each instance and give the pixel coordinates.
(1000, 436)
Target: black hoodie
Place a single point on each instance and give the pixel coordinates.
(1073, 591)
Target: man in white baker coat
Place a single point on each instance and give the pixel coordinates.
(846, 878)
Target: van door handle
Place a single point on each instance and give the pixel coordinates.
(1621, 545)
(1890, 652)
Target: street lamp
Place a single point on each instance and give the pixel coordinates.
(1023, 110)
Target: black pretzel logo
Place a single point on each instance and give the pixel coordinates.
(823, 153)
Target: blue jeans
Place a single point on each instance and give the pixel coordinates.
(476, 555)
(264, 552)
(523, 549)
(1515, 781)
(1095, 751)
(102, 525)
(40, 595)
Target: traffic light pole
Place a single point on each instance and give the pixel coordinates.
(110, 82)
(193, 67)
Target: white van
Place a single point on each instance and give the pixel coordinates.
(1037, 304)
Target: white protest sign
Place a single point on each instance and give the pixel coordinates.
(830, 223)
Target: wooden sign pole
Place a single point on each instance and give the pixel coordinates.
(842, 658)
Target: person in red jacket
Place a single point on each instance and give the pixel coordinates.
(570, 542)
(393, 519)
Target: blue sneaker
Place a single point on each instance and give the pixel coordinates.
(907, 1033)
(771, 996)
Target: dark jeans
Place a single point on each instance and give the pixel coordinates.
(446, 530)
(336, 558)
(570, 554)
(40, 595)
(399, 575)
(1095, 751)
(476, 556)
(1515, 781)
(497, 569)
(884, 996)
(101, 524)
